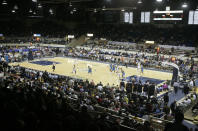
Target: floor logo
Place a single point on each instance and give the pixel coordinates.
(44, 63)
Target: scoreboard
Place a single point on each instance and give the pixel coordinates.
(168, 16)
(127, 17)
(193, 17)
(145, 17)
(160, 17)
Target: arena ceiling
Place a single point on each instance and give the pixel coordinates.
(63, 1)
(42, 7)
(108, 3)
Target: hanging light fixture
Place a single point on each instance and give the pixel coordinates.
(95, 10)
(16, 7)
(70, 4)
(51, 11)
(4, 2)
(159, 0)
(39, 5)
(30, 11)
(13, 11)
(185, 5)
(34, 1)
(139, 2)
(74, 10)
(103, 8)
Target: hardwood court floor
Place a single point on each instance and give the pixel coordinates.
(101, 72)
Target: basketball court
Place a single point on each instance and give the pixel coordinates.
(100, 71)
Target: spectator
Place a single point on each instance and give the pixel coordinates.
(166, 98)
(173, 107)
(177, 125)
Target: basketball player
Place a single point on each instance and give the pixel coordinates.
(89, 70)
(74, 69)
(116, 68)
(123, 73)
(142, 69)
(138, 67)
(111, 67)
(53, 67)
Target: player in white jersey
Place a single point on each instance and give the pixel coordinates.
(139, 68)
(74, 69)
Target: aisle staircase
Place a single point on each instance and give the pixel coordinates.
(77, 42)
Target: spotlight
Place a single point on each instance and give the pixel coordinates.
(39, 5)
(13, 11)
(70, 4)
(139, 2)
(122, 10)
(103, 8)
(51, 11)
(4, 2)
(30, 11)
(74, 10)
(159, 0)
(185, 5)
(95, 10)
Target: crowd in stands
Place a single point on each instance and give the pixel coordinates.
(187, 102)
(147, 48)
(41, 99)
(19, 54)
(123, 33)
(32, 40)
(35, 100)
